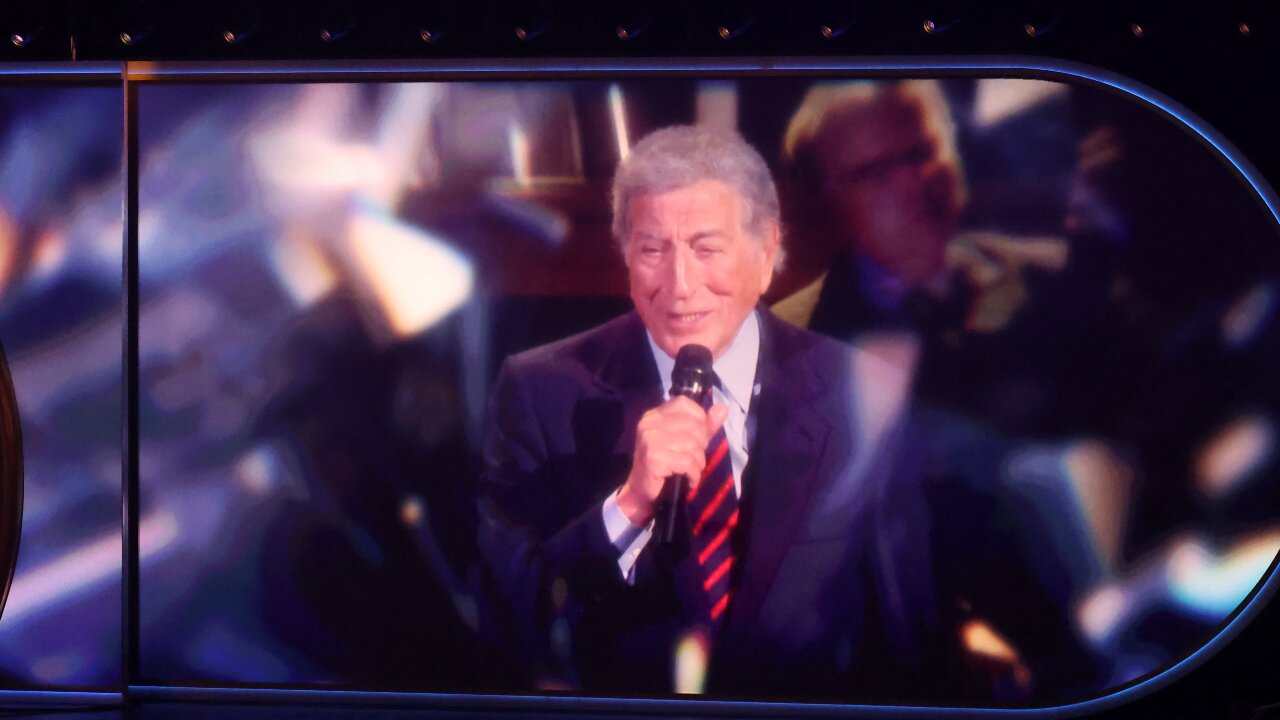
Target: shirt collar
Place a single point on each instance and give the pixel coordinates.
(736, 368)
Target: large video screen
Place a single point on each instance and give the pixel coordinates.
(994, 418)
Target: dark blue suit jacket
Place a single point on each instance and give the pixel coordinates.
(833, 596)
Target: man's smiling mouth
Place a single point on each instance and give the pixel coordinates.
(688, 318)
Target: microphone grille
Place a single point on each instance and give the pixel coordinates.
(692, 375)
(693, 356)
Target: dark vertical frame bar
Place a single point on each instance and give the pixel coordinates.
(129, 586)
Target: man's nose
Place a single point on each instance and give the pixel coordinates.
(683, 273)
(910, 176)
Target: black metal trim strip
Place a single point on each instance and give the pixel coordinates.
(129, 601)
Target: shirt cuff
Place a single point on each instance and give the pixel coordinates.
(628, 539)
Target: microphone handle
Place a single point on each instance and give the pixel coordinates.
(674, 488)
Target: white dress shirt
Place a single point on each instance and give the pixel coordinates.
(736, 369)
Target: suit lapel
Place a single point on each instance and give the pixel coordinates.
(628, 375)
(627, 367)
(783, 468)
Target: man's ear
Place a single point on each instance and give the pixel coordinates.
(770, 247)
(624, 247)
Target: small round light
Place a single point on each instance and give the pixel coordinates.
(126, 38)
(229, 37)
(1244, 29)
(326, 36)
(426, 36)
(724, 32)
(412, 511)
(1137, 30)
(1030, 30)
(930, 26)
(522, 34)
(18, 40)
(623, 33)
(826, 31)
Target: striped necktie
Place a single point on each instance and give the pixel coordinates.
(713, 512)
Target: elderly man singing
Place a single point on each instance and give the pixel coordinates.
(801, 565)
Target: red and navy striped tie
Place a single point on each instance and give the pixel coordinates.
(713, 512)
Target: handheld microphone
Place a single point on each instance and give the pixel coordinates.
(692, 377)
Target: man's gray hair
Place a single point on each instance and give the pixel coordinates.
(681, 155)
(826, 101)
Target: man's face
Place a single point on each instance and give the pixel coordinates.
(695, 273)
(892, 193)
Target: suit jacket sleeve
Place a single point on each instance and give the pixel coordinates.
(547, 555)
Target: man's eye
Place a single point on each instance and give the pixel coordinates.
(706, 251)
(650, 251)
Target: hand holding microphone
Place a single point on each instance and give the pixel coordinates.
(671, 444)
